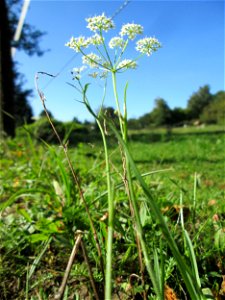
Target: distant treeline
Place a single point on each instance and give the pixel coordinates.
(202, 108)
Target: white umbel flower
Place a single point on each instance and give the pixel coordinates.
(127, 64)
(148, 45)
(116, 42)
(92, 60)
(95, 40)
(78, 43)
(131, 30)
(100, 23)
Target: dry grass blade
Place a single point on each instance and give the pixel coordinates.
(60, 293)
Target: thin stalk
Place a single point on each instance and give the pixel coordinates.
(138, 227)
(106, 51)
(194, 197)
(108, 275)
(75, 178)
(121, 53)
(61, 290)
(117, 102)
(108, 272)
(89, 270)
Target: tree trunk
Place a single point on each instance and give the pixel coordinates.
(7, 121)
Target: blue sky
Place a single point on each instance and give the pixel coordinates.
(191, 32)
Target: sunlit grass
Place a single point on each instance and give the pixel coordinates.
(40, 201)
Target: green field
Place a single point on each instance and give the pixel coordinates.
(41, 210)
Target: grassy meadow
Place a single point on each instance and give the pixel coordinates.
(41, 212)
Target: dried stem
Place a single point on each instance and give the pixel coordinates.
(60, 293)
(89, 270)
(75, 178)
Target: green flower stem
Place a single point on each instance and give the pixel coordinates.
(92, 60)
(117, 102)
(105, 48)
(138, 227)
(121, 53)
(108, 272)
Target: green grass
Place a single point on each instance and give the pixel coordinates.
(39, 201)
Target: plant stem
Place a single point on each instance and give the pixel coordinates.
(108, 272)
(117, 101)
(75, 178)
(138, 227)
(61, 290)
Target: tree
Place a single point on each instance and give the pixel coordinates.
(12, 95)
(178, 116)
(43, 114)
(161, 114)
(198, 101)
(214, 112)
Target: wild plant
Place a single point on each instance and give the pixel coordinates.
(107, 59)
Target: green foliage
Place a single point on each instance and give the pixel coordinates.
(178, 116)
(198, 101)
(19, 107)
(161, 114)
(44, 203)
(202, 106)
(30, 36)
(68, 131)
(214, 113)
(22, 110)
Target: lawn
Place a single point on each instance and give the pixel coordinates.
(41, 211)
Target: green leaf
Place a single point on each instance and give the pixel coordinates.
(219, 239)
(38, 237)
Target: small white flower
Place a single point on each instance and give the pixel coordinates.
(100, 23)
(131, 30)
(148, 45)
(127, 64)
(78, 43)
(77, 72)
(92, 60)
(96, 39)
(116, 42)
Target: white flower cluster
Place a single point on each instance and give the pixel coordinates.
(103, 63)
(92, 60)
(77, 72)
(127, 64)
(131, 30)
(100, 23)
(78, 43)
(148, 45)
(95, 40)
(116, 42)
